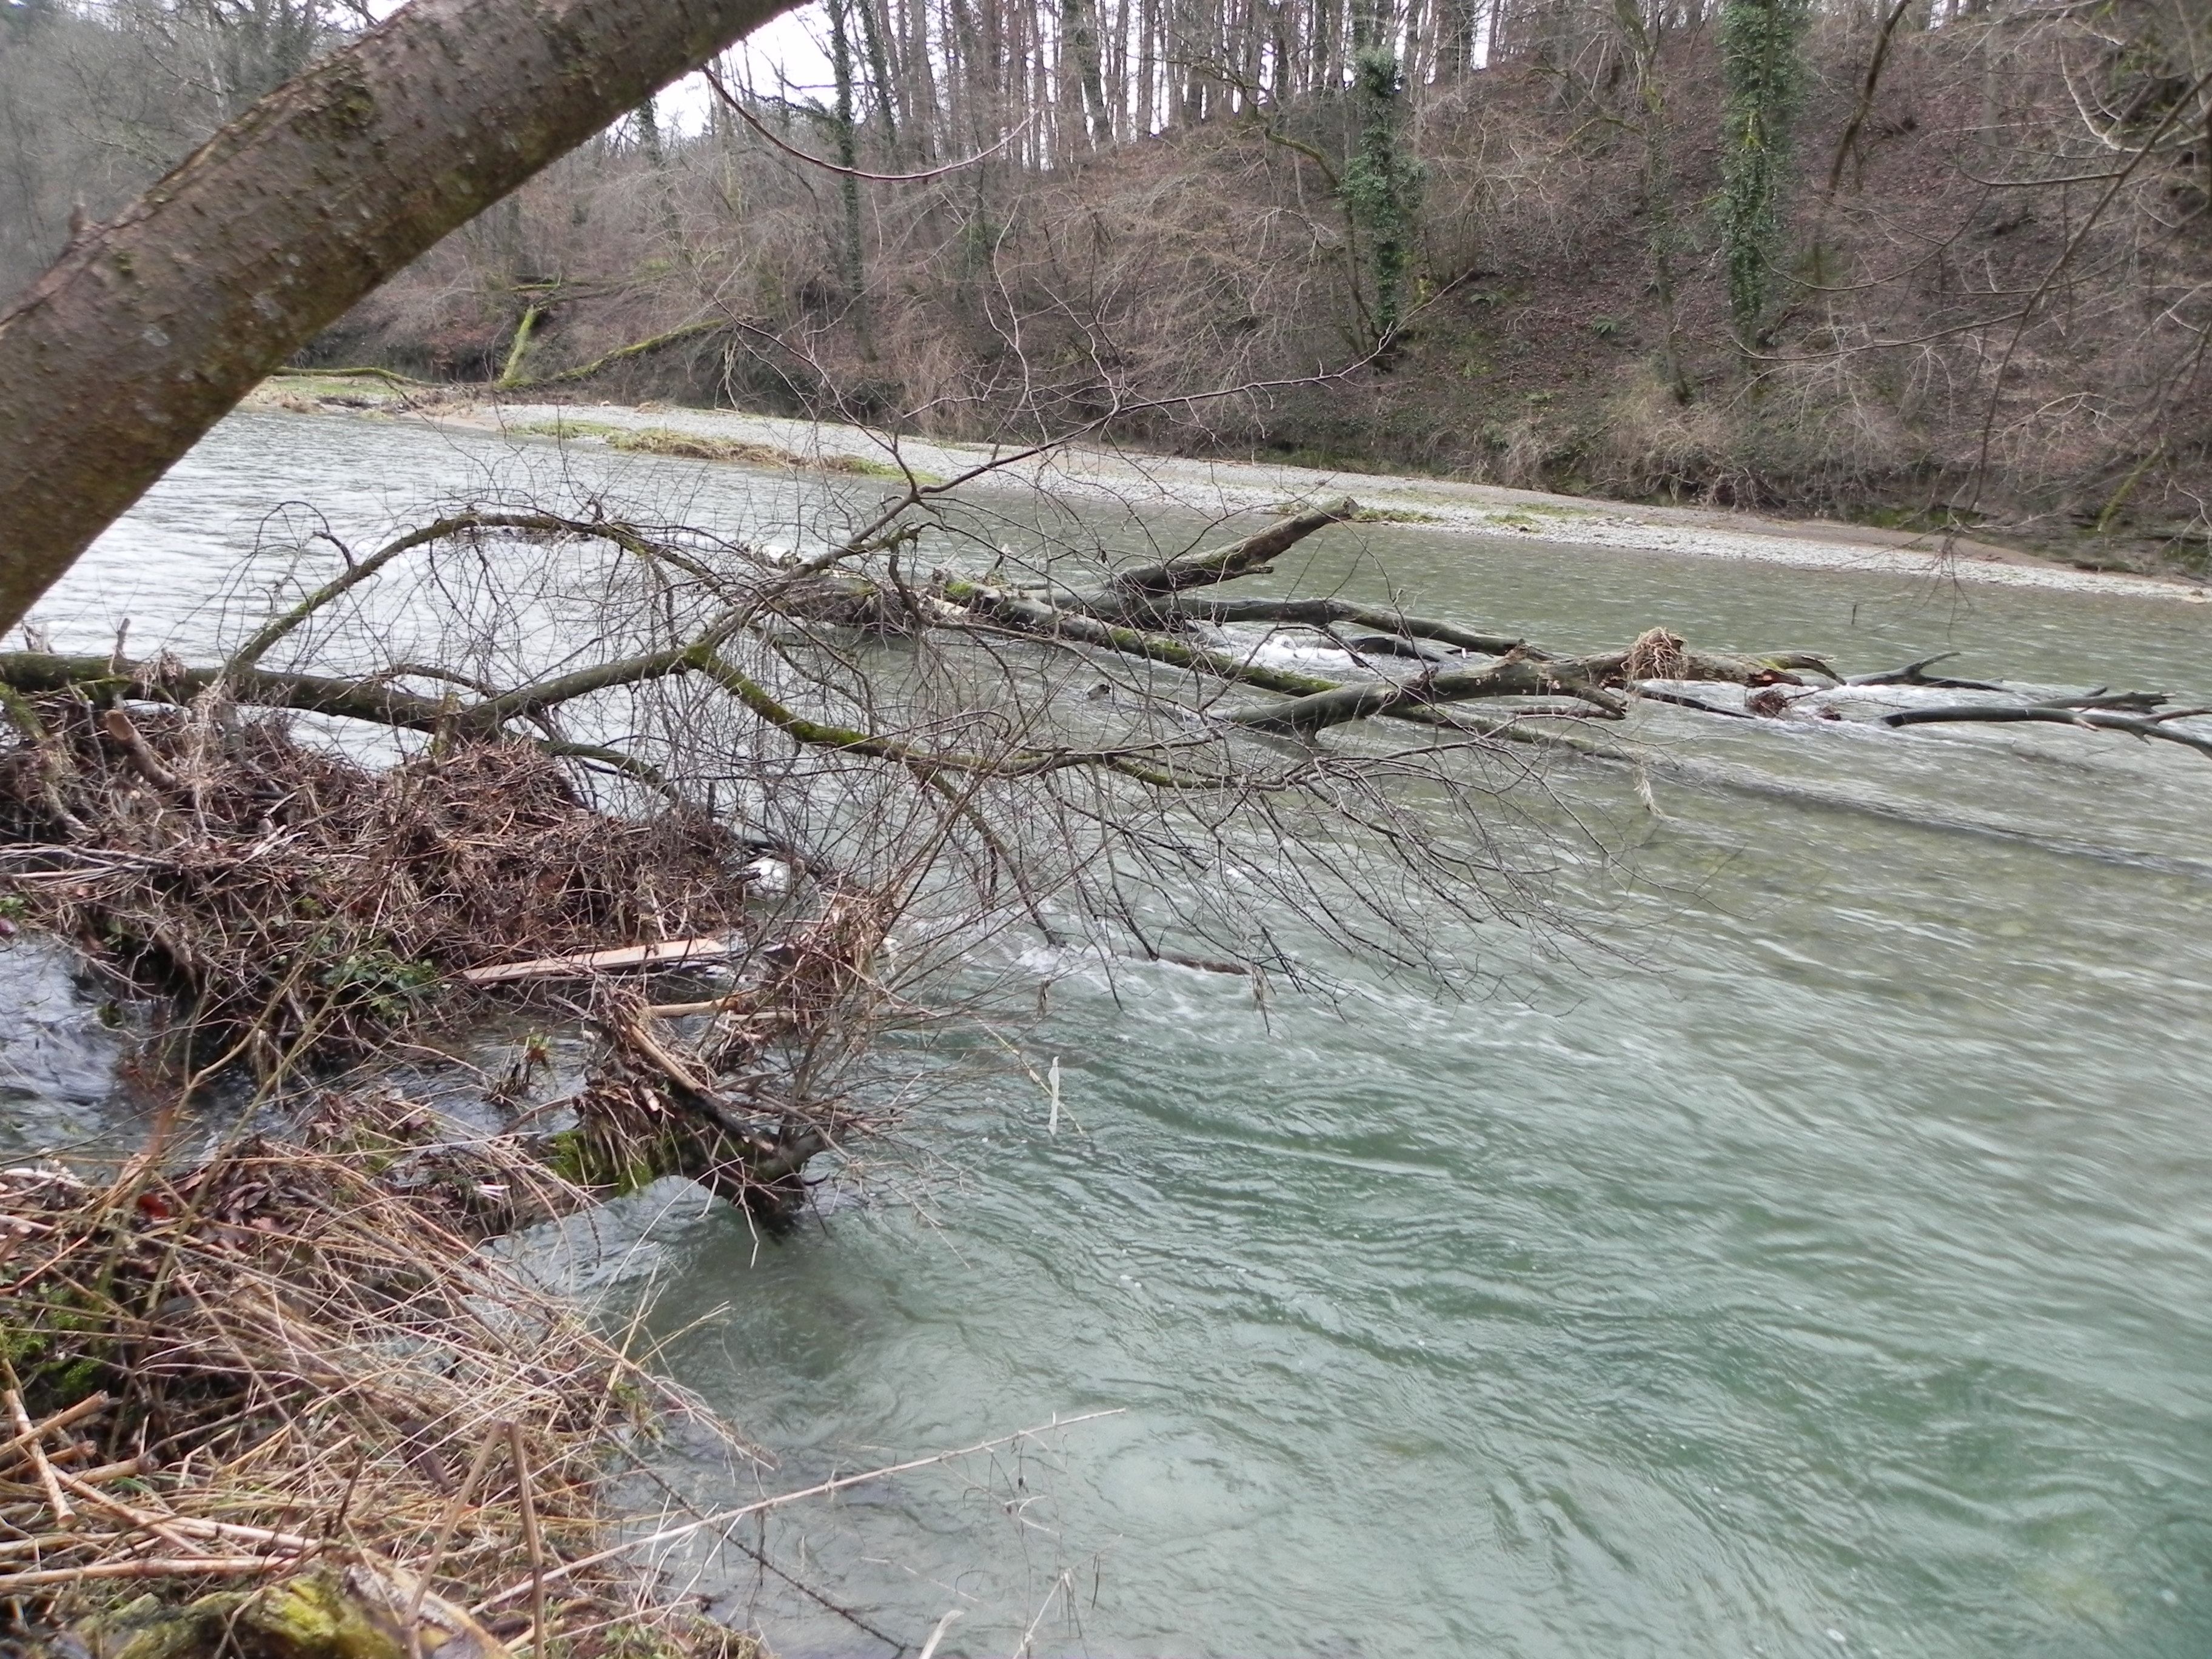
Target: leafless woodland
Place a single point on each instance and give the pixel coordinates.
(1991, 290)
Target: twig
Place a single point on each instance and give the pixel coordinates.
(722, 1518)
(26, 1432)
(67, 1416)
(1029, 1635)
(754, 122)
(201, 1566)
(929, 1648)
(127, 1468)
(531, 1540)
(145, 1522)
(451, 1519)
(167, 1524)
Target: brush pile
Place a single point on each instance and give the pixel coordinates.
(289, 1379)
(282, 1402)
(292, 903)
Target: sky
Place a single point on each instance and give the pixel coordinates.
(786, 50)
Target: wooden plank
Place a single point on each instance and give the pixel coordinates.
(667, 953)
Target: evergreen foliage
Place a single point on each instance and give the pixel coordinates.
(1763, 73)
(1381, 183)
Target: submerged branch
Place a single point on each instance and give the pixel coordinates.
(1252, 556)
(2087, 719)
(1322, 613)
(1511, 676)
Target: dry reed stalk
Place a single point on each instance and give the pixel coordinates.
(28, 1435)
(530, 1538)
(305, 1340)
(90, 1406)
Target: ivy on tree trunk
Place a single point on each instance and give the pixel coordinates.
(1381, 183)
(1763, 75)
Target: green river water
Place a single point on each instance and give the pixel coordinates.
(1816, 1261)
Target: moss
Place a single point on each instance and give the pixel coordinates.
(53, 1346)
(330, 1615)
(303, 391)
(703, 446)
(357, 1614)
(560, 427)
(313, 1617)
(860, 467)
(697, 447)
(584, 1159)
(1396, 515)
(1889, 516)
(145, 1628)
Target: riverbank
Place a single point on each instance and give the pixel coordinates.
(304, 1397)
(1106, 476)
(292, 1370)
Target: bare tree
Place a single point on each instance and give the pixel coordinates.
(600, 726)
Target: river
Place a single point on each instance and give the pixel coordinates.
(1815, 1259)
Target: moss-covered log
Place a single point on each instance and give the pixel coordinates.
(356, 1611)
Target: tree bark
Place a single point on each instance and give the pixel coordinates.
(148, 329)
(1249, 557)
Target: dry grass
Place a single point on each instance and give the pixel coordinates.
(296, 1353)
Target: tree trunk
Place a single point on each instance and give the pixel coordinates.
(149, 329)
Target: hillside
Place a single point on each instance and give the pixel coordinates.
(1515, 256)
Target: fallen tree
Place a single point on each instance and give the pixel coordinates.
(932, 752)
(148, 329)
(611, 749)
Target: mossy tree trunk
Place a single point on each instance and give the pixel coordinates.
(1763, 75)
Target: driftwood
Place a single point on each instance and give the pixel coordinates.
(304, 906)
(659, 956)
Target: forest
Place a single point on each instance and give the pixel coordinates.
(1930, 263)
